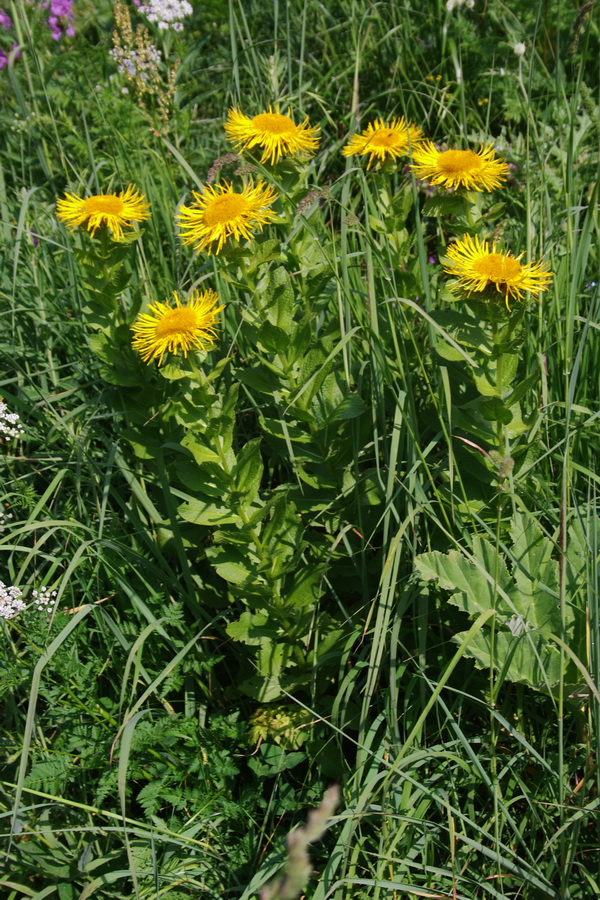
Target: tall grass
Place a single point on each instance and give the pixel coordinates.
(132, 765)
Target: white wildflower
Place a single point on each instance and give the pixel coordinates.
(167, 14)
(456, 4)
(520, 49)
(4, 517)
(44, 599)
(137, 63)
(10, 601)
(9, 422)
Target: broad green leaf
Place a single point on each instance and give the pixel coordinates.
(281, 313)
(494, 410)
(529, 658)
(274, 760)
(516, 426)
(260, 378)
(282, 535)
(292, 431)
(199, 512)
(273, 338)
(535, 573)
(445, 205)
(261, 252)
(506, 369)
(447, 351)
(465, 331)
(248, 470)
(251, 629)
(305, 588)
(230, 564)
(485, 380)
(521, 389)
(199, 450)
(351, 407)
(144, 443)
(474, 590)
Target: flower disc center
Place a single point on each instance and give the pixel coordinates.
(274, 123)
(386, 138)
(225, 208)
(455, 162)
(109, 205)
(178, 321)
(497, 267)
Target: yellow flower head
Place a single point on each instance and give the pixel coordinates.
(460, 168)
(380, 140)
(477, 267)
(179, 328)
(220, 212)
(276, 133)
(113, 210)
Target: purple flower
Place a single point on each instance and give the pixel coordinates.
(60, 20)
(16, 53)
(5, 20)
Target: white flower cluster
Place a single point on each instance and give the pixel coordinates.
(456, 4)
(167, 13)
(137, 64)
(9, 422)
(4, 517)
(520, 49)
(10, 601)
(44, 599)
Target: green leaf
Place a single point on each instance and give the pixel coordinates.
(506, 369)
(485, 380)
(199, 512)
(475, 590)
(282, 312)
(230, 564)
(218, 368)
(288, 430)
(516, 426)
(199, 451)
(248, 470)
(447, 351)
(300, 340)
(273, 338)
(494, 410)
(351, 407)
(259, 378)
(306, 588)
(282, 535)
(445, 205)
(274, 760)
(535, 572)
(261, 253)
(529, 658)
(251, 629)
(521, 389)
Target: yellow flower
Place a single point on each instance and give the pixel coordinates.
(178, 328)
(460, 168)
(277, 134)
(381, 140)
(477, 267)
(113, 210)
(220, 212)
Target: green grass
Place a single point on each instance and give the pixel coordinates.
(136, 761)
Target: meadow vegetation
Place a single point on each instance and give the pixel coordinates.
(299, 444)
